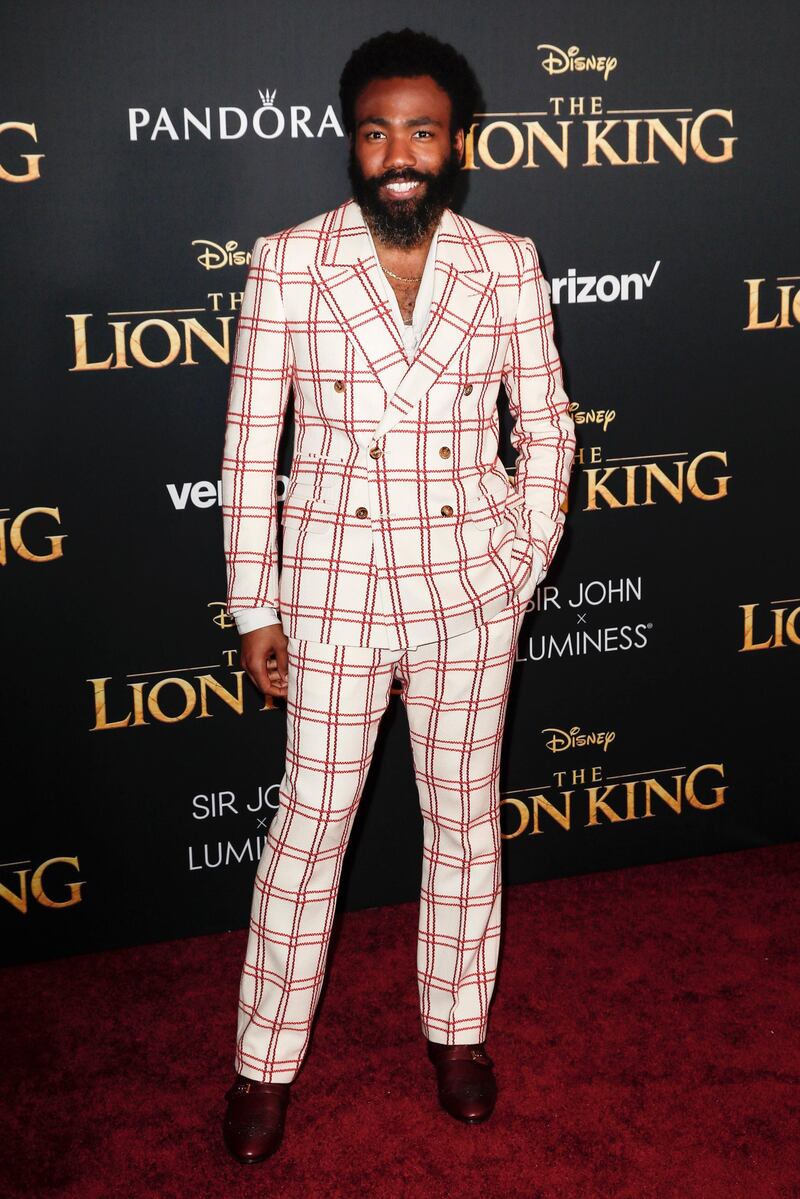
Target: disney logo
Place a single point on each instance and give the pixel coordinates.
(214, 256)
(592, 416)
(558, 61)
(575, 739)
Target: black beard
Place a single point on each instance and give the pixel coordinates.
(404, 223)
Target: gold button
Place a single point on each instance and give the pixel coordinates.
(361, 513)
(468, 390)
(447, 510)
(338, 385)
(444, 452)
(375, 452)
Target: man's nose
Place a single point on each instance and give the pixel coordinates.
(399, 153)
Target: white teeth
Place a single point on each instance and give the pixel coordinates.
(402, 187)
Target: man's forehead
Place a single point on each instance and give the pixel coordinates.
(400, 91)
(374, 118)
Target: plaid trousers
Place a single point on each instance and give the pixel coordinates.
(455, 692)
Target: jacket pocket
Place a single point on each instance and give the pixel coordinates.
(487, 511)
(306, 506)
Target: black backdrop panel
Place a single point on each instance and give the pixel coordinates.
(650, 150)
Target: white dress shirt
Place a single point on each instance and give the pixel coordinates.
(248, 619)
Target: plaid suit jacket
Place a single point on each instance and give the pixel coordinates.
(400, 525)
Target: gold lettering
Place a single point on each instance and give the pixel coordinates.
(597, 141)
(37, 885)
(138, 703)
(20, 902)
(791, 629)
(524, 817)
(653, 786)
(633, 125)
(719, 792)
(101, 708)
(721, 480)
(469, 149)
(537, 133)
(154, 706)
(597, 802)
(220, 348)
(32, 160)
(675, 139)
(726, 142)
(656, 127)
(120, 348)
(653, 471)
(517, 143)
(209, 683)
(18, 541)
(753, 322)
(82, 362)
(597, 487)
(173, 340)
(562, 818)
(749, 644)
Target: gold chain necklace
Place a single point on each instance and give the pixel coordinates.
(402, 278)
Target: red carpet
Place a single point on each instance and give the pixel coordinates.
(646, 1033)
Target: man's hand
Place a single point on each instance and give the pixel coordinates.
(265, 659)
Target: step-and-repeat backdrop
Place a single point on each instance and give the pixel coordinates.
(650, 150)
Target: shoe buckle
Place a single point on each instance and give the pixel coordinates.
(480, 1055)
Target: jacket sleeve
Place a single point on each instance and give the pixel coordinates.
(261, 376)
(544, 432)
(247, 619)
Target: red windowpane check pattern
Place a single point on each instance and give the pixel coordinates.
(455, 696)
(425, 537)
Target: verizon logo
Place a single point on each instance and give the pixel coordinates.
(573, 288)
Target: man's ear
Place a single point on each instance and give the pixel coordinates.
(458, 142)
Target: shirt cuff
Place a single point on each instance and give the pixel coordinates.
(248, 619)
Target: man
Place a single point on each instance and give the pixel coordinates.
(405, 551)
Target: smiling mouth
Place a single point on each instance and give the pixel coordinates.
(402, 188)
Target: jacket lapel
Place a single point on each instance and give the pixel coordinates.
(348, 274)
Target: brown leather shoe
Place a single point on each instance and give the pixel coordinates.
(253, 1124)
(466, 1082)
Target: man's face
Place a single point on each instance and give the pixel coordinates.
(403, 162)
